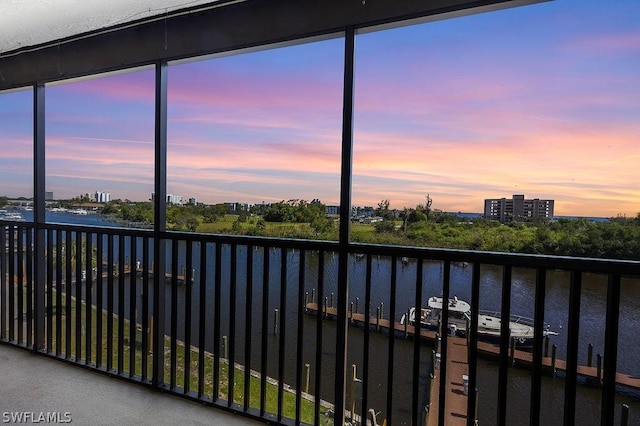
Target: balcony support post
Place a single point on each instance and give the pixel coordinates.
(345, 220)
(159, 222)
(39, 215)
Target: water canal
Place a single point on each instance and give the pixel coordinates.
(592, 320)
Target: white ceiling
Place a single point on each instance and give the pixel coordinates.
(31, 22)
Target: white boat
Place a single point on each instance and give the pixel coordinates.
(489, 323)
(6, 215)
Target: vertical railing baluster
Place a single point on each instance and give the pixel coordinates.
(300, 334)
(49, 296)
(610, 349)
(232, 323)
(472, 343)
(392, 337)
(30, 288)
(144, 294)
(12, 282)
(88, 297)
(121, 301)
(20, 284)
(78, 302)
(133, 297)
(4, 282)
(248, 324)
(58, 292)
(417, 343)
(174, 313)
(366, 341)
(319, 325)
(216, 321)
(265, 330)
(68, 290)
(99, 297)
(188, 283)
(282, 331)
(504, 346)
(536, 375)
(442, 393)
(202, 324)
(573, 335)
(110, 307)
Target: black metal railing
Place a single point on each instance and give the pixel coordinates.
(252, 324)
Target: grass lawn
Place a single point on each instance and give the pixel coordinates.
(110, 340)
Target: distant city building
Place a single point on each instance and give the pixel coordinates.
(48, 196)
(517, 209)
(193, 201)
(332, 210)
(102, 197)
(174, 199)
(237, 207)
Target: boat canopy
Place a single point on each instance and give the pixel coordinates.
(454, 304)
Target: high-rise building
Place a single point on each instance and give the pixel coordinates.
(102, 197)
(517, 209)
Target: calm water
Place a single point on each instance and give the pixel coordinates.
(593, 303)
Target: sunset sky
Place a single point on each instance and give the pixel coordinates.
(541, 100)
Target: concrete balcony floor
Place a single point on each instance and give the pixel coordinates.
(38, 384)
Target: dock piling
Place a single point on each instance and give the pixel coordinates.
(554, 349)
(599, 369)
(624, 416)
(276, 318)
(406, 325)
(378, 315)
(351, 312)
(357, 305)
(313, 295)
(589, 355)
(331, 304)
(225, 347)
(306, 300)
(307, 374)
(513, 351)
(546, 346)
(325, 306)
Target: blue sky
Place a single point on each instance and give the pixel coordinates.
(541, 100)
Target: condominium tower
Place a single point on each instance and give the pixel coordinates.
(517, 209)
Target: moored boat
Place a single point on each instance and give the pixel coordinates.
(489, 323)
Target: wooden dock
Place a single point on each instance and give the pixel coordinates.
(521, 358)
(456, 399)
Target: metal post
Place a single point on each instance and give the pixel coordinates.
(39, 214)
(513, 351)
(325, 306)
(331, 304)
(554, 348)
(351, 312)
(306, 300)
(378, 314)
(313, 295)
(589, 355)
(357, 305)
(599, 369)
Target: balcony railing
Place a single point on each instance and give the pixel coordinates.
(294, 331)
